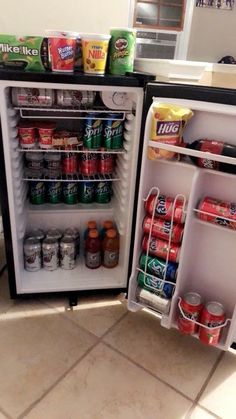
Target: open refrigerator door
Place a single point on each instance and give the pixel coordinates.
(163, 272)
(27, 212)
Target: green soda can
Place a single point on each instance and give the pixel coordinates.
(113, 132)
(70, 193)
(121, 52)
(54, 192)
(103, 192)
(162, 288)
(86, 192)
(37, 193)
(157, 267)
(92, 132)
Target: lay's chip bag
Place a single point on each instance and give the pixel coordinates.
(168, 123)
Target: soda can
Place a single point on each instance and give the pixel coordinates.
(54, 192)
(92, 131)
(24, 96)
(159, 249)
(36, 233)
(102, 192)
(89, 163)
(217, 210)
(154, 301)
(105, 163)
(70, 193)
(86, 192)
(69, 163)
(50, 250)
(67, 252)
(54, 233)
(165, 208)
(162, 229)
(161, 288)
(191, 305)
(158, 267)
(75, 98)
(37, 192)
(113, 132)
(32, 254)
(74, 232)
(213, 315)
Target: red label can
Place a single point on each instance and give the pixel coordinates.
(89, 164)
(212, 315)
(210, 146)
(105, 163)
(162, 229)
(159, 248)
(191, 305)
(69, 163)
(217, 210)
(165, 208)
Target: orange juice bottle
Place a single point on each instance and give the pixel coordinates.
(110, 247)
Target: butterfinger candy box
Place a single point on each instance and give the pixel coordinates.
(24, 53)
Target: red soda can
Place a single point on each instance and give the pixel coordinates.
(218, 210)
(191, 305)
(213, 315)
(162, 229)
(89, 163)
(69, 163)
(105, 163)
(165, 208)
(159, 248)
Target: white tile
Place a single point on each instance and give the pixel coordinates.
(95, 313)
(220, 394)
(107, 386)
(37, 347)
(180, 360)
(199, 413)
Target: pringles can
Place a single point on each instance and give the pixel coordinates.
(121, 52)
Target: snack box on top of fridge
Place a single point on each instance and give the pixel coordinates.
(23, 53)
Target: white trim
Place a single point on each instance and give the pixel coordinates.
(184, 36)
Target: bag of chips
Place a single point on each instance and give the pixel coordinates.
(168, 123)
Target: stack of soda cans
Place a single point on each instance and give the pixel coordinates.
(159, 260)
(51, 249)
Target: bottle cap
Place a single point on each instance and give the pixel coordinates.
(111, 233)
(93, 233)
(108, 224)
(92, 224)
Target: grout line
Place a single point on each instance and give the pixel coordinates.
(212, 371)
(5, 413)
(32, 405)
(147, 371)
(98, 340)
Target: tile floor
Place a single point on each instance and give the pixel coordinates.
(101, 362)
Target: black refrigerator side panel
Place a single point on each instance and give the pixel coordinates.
(6, 223)
(179, 91)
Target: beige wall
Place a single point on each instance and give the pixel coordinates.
(212, 35)
(31, 17)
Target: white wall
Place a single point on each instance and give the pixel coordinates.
(32, 17)
(212, 35)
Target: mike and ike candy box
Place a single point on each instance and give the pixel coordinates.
(23, 53)
(168, 123)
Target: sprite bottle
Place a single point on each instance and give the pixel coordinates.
(86, 192)
(37, 193)
(157, 267)
(70, 193)
(113, 132)
(54, 192)
(121, 52)
(92, 132)
(162, 288)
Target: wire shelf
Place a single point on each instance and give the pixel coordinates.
(72, 178)
(69, 113)
(77, 149)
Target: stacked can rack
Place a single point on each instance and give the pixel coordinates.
(161, 288)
